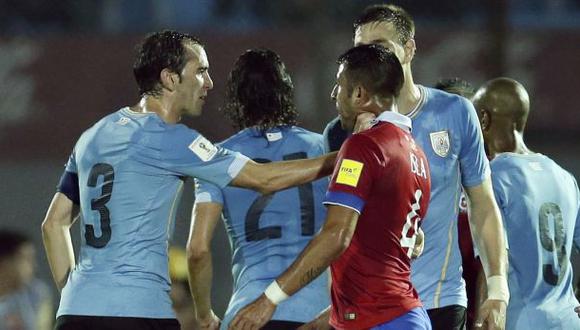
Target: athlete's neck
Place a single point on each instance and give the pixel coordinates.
(410, 94)
(157, 105)
(511, 142)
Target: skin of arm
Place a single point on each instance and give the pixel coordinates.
(332, 240)
(488, 233)
(271, 177)
(204, 218)
(61, 215)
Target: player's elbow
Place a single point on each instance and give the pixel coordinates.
(50, 225)
(196, 253)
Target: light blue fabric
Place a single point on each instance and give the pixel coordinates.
(539, 202)
(131, 168)
(447, 128)
(268, 232)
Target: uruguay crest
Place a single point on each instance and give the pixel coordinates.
(440, 143)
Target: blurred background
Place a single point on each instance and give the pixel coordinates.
(64, 64)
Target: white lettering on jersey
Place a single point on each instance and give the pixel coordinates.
(411, 222)
(204, 149)
(418, 166)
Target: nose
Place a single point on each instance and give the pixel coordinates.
(334, 92)
(208, 82)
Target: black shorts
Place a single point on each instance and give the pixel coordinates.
(78, 322)
(281, 325)
(448, 317)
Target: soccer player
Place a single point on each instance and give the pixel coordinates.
(25, 302)
(447, 128)
(472, 269)
(126, 173)
(266, 231)
(540, 207)
(376, 199)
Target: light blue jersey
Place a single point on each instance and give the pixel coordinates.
(131, 168)
(447, 128)
(268, 232)
(539, 202)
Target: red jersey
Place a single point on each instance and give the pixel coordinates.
(383, 175)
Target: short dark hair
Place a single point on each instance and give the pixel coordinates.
(456, 86)
(259, 92)
(156, 52)
(401, 20)
(375, 67)
(10, 242)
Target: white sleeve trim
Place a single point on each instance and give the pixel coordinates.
(343, 205)
(237, 165)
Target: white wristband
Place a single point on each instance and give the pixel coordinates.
(497, 288)
(275, 294)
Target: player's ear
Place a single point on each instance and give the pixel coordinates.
(168, 79)
(410, 48)
(484, 119)
(360, 95)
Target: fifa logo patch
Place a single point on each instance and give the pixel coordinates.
(440, 143)
(204, 149)
(349, 172)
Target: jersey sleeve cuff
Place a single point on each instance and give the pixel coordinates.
(344, 199)
(237, 165)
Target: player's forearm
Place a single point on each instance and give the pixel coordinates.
(487, 229)
(272, 177)
(282, 175)
(59, 251)
(200, 268)
(489, 237)
(313, 261)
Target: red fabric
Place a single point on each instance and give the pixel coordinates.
(371, 279)
(471, 265)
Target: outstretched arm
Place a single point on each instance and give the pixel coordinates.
(60, 216)
(327, 245)
(204, 218)
(271, 177)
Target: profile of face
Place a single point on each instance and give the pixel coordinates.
(343, 95)
(192, 87)
(385, 34)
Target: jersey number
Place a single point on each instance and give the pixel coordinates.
(305, 193)
(556, 243)
(99, 204)
(412, 221)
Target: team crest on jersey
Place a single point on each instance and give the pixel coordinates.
(204, 149)
(349, 172)
(440, 143)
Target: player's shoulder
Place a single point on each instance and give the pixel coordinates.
(441, 101)
(303, 134)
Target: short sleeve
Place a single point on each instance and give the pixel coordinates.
(334, 136)
(71, 164)
(351, 183)
(472, 158)
(188, 153)
(206, 192)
